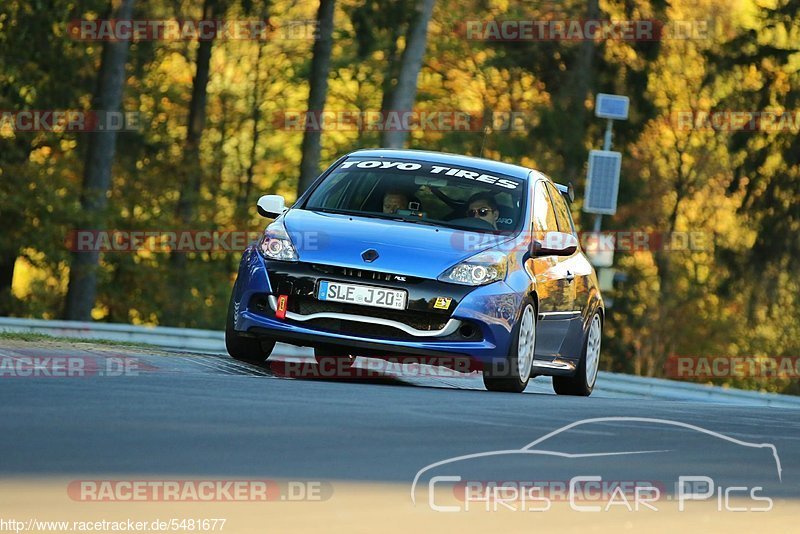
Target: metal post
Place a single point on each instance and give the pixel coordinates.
(607, 138)
(597, 220)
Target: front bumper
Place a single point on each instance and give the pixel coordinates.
(477, 323)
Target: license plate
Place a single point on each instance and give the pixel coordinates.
(379, 297)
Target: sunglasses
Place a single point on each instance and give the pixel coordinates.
(481, 212)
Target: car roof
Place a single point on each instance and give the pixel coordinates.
(487, 165)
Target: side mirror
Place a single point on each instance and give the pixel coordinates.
(554, 244)
(567, 191)
(271, 206)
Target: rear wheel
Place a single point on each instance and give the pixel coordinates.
(513, 373)
(582, 383)
(244, 348)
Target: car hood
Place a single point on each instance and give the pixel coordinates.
(403, 248)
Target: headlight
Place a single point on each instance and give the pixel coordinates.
(478, 270)
(276, 244)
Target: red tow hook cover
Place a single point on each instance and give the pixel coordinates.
(280, 313)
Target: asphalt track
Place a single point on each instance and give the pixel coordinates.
(194, 415)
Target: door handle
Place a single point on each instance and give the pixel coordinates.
(570, 276)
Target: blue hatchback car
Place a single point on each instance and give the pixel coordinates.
(399, 254)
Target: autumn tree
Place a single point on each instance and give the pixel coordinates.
(318, 90)
(405, 93)
(97, 170)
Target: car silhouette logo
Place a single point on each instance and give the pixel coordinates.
(533, 449)
(369, 255)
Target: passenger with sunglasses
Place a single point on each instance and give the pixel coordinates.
(484, 206)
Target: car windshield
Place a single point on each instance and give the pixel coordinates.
(422, 192)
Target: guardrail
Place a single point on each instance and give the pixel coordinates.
(213, 342)
(189, 339)
(690, 392)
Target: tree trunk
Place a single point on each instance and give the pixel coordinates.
(191, 169)
(7, 264)
(582, 82)
(82, 288)
(187, 204)
(219, 153)
(318, 81)
(392, 69)
(405, 93)
(255, 115)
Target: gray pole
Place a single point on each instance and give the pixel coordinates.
(607, 138)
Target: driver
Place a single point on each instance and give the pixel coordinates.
(484, 206)
(394, 200)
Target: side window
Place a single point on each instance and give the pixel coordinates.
(562, 211)
(544, 217)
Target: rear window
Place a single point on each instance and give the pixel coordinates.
(422, 192)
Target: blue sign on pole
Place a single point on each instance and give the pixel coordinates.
(611, 106)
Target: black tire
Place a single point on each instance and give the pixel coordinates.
(577, 385)
(243, 348)
(505, 376)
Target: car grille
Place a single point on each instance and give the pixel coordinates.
(414, 319)
(362, 274)
(420, 321)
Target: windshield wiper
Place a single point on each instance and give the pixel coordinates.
(401, 218)
(417, 220)
(383, 216)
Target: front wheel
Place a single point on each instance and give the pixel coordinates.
(513, 373)
(242, 348)
(582, 383)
